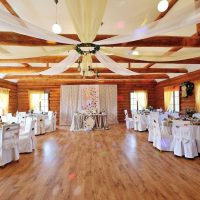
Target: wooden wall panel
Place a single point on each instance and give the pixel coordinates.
(124, 90)
(12, 95)
(188, 102)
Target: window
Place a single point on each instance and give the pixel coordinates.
(175, 101)
(138, 100)
(39, 101)
(4, 101)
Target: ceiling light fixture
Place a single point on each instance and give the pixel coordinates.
(56, 28)
(135, 53)
(163, 5)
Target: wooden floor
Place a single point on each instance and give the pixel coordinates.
(115, 164)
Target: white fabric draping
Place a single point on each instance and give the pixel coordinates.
(149, 56)
(88, 98)
(112, 65)
(63, 65)
(9, 22)
(108, 102)
(87, 17)
(186, 16)
(27, 54)
(68, 103)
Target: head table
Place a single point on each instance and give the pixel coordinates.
(79, 121)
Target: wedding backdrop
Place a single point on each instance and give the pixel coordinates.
(79, 98)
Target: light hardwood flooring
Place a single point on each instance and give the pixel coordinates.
(115, 164)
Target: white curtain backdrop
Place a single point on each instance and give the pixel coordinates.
(70, 102)
(108, 102)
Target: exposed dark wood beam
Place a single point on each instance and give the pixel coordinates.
(11, 69)
(56, 59)
(15, 39)
(8, 7)
(65, 76)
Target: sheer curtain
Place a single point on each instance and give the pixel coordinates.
(142, 97)
(197, 95)
(108, 102)
(68, 103)
(35, 97)
(168, 92)
(4, 101)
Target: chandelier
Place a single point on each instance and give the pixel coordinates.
(85, 66)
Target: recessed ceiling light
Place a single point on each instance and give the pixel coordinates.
(135, 53)
(163, 5)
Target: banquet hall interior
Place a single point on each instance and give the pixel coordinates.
(99, 99)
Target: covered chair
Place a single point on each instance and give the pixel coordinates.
(184, 139)
(197, 115)
(162, 140)
(140, 122)
(151, 125)
(50, 122)
(40, 124)
(9, 144)
(27, 141)
(129, 121)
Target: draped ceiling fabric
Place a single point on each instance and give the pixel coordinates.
(152, 57)
(87, 17)
(70, 101)
(112, 65)
(63, 65)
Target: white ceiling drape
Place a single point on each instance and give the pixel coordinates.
(87, 17)
(112, 65)
(63, 65)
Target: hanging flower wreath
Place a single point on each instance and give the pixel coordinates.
(81, 52)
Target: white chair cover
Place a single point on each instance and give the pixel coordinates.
(197, 115)
(150, 127)
(27, 141)
(9, 143)
(129, 121)
(162, 140)
(50, 122)
(140, 122)
(184, 139)
(40, 124)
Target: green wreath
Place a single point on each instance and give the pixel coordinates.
(78, 48)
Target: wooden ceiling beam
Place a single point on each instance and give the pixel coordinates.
(15, 39)
(113, 76)
(10, 69)
(56, 59)
(8, 7)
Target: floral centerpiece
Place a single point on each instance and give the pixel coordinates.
(150, 108)
(190, 112)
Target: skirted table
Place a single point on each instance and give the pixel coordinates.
(84, 122)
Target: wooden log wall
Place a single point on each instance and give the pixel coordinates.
(53, 87)
(188, 102)
(12, 95)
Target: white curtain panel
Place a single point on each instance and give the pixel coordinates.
(63, 65)
(9, 22)
(183, 17)
(87, 16)
(108, 102)
(112, 65)
(68, 103)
